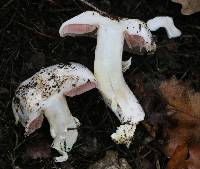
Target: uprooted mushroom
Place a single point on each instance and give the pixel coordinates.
(108, 60)
(44, 94)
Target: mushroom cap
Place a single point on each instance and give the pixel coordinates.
(85, 22)
(136, 32)
(70, 80)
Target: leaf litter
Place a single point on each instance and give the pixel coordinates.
(183, 136)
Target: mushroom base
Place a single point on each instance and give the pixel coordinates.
(124, 134)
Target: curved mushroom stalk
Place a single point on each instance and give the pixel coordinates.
(63, 126)
(164, 22)
(108, 64)
(44, 94)
(111, 83)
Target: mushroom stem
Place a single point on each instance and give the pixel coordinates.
(60, 120)
(43, 94)
(108, 65)
(164, 22)
(110, 80)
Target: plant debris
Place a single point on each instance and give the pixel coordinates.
(40, 148)
(111, 161)
(189, 6)
(183, 111)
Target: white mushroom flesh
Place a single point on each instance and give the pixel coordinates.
(126, 64)
(108, 64)
(44, 94)
(164, 22)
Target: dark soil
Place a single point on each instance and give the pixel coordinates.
(29, 40)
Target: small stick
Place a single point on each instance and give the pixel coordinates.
(94, 7)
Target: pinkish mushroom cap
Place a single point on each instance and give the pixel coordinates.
(136, 33)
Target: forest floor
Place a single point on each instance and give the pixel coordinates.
(29, 40)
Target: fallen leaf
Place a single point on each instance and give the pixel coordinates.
(189, 6)
(39, 149)
(111, 161)
(177, 161)
(183, 112)
(193, 161)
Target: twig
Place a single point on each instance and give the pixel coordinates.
(35, 31)
(7, 4)
(94, 7)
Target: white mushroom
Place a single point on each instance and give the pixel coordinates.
(164, 22)
(44, 94)
(108, 63)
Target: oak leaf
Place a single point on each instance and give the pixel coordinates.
(178, 159)
(183, 111)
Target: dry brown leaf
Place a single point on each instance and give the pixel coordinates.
(193, 161)
(184, 115)
(178, 160)
(184, 104)
(189, 6)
